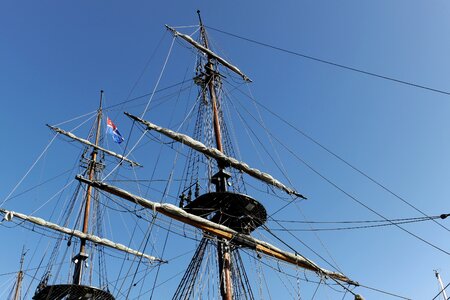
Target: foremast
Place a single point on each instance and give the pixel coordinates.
(76, 289)
(82, 256)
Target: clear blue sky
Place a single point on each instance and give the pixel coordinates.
(55, 57)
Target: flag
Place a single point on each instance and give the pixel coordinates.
(112, 129)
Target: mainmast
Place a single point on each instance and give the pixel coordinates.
(82, 256)
(219, 179)
(211, 80)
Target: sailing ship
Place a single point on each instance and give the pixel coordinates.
(212, 208)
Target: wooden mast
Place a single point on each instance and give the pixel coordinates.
(19, 277)
(211, 80)
(80, 258)
(223, 248)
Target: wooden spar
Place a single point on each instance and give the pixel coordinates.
(220, 231)
(214, 153)
(86, 142)
(9, 215)
(209, 53)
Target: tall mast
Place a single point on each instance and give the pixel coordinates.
(81, 257)
(19, 277)
(211, 80)
(223, 248)
(444, 294)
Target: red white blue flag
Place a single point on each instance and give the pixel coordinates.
(112, 129)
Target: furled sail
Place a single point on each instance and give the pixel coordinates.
(214, 153)
(209, 53)
(218, 230)
(9, 215)
(86, 142)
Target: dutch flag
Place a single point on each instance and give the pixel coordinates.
(112, 129)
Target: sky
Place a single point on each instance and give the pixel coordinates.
(57, 55)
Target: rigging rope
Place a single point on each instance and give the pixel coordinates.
(295, 155)
(387, 223)
(40, 184)
(159, 78)
(144, 69)
(442, 216)
(360, 202)
(340, 158)
(155, 214)
(29, 170)
(303, 243)
(441, 291)
(261, 122)
(248, 128)
(334, 64)
(384, 292)
(147, 106)
(317, 282)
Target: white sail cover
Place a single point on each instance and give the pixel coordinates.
(209, 52)
(86, 142)
(218, 230)
(214, 153)
(9, 215)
